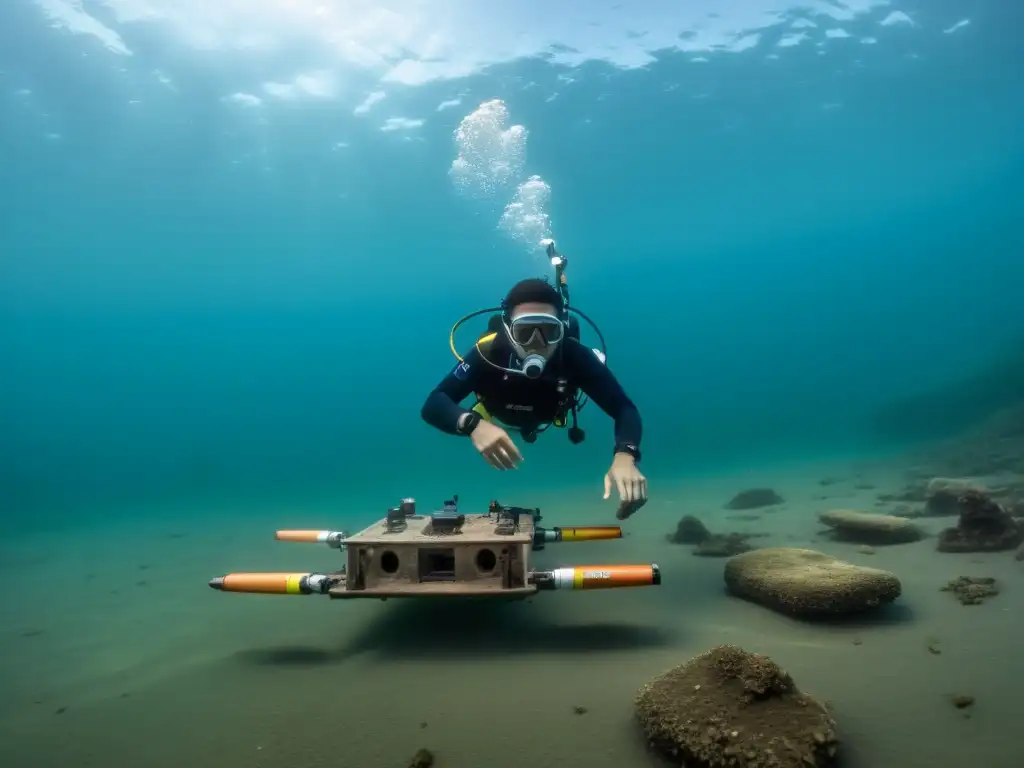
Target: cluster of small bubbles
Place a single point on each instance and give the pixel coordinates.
(525, 218)
(490, 156)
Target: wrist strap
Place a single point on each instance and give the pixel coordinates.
(629, 448)
(468, 423)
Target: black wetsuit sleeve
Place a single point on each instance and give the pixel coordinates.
(442, 409)
(599, 384)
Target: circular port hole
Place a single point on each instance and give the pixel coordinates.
(389, 562)
(486, 560)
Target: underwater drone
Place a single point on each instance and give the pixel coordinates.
(445, 554)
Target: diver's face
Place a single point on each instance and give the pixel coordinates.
(536, 342)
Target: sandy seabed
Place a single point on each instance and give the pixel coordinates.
(115, 652)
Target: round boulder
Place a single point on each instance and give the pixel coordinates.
(866, 528)
(689, 530)
(984, 526)
(729, 707)
(753, 498)
(805, 583)
(943, 493)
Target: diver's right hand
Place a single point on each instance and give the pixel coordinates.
(495, 446)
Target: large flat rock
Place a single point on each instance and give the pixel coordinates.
(802, 582)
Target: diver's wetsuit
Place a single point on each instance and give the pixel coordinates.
(529, 403)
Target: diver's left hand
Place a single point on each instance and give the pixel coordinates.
(627, 478)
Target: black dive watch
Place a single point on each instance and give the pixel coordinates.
(467, 423)
(629, 448)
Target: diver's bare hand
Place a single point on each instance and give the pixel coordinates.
(624, 475)
(495, 446)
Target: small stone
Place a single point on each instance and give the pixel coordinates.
(689, 530)
(423, 758)
(754, 498)
(971, 590)
(723, 545)
(961, 701)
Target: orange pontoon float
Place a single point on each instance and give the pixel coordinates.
(445, 554)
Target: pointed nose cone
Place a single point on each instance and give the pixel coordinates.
(217, 583)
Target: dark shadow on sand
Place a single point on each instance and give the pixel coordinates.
(286, 656)
(887, 615)
(465, 627)
(435, 628)
(879, 541)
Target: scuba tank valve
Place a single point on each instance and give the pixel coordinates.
(559, 262)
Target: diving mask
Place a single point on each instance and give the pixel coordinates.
(535, 329)
(530, 333)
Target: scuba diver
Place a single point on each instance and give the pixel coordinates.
(530, 371)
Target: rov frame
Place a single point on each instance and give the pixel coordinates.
(445, 554)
